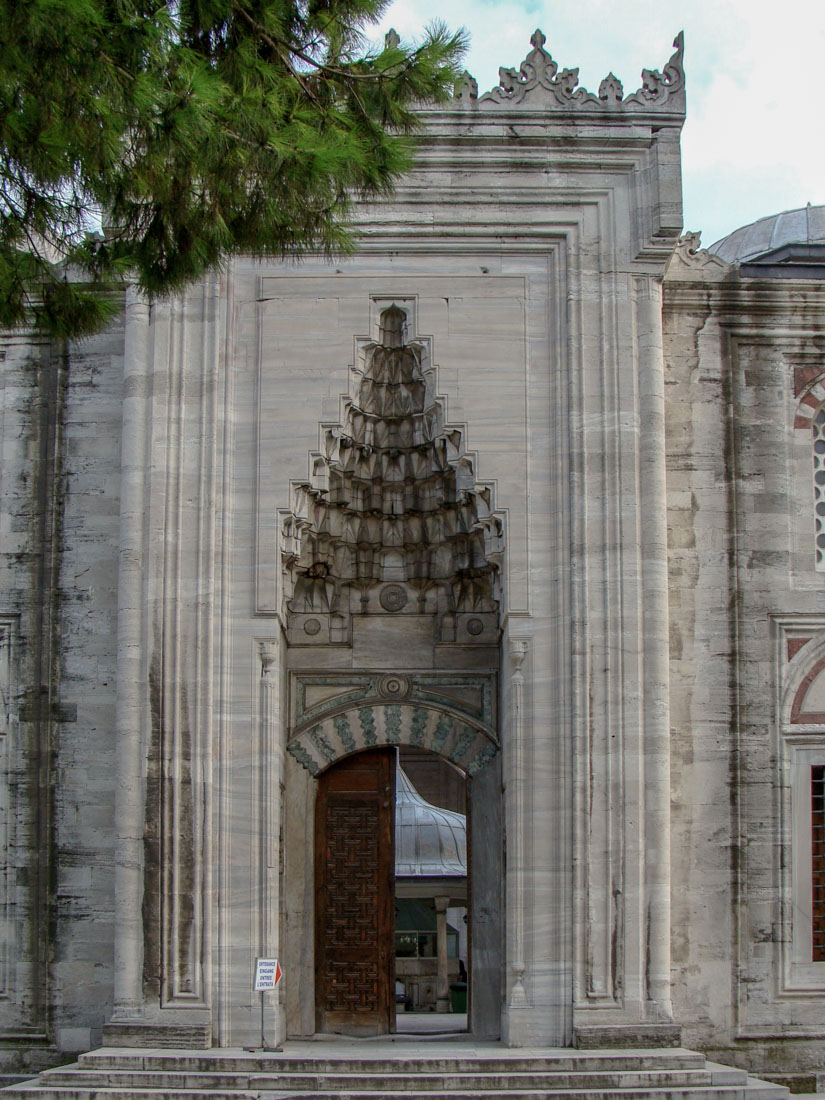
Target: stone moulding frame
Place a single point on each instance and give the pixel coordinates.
(564, 338)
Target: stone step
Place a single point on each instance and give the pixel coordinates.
(223, 1062)
(744, 1091)
(494, 1074)
(33, 1090)
(707, 1092)
(381, 1082)
(748, 1090)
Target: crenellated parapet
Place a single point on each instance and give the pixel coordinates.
(538, 82)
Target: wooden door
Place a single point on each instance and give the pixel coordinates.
(355, 895)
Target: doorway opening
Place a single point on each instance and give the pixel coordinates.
(432, 929)
(392, 934)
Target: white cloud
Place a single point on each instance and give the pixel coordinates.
(752, 144)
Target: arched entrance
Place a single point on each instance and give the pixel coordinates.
(340, 941)
(389, 868)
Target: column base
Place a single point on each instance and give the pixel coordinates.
(152, 1033)
(531, 1026)
(612, 1036)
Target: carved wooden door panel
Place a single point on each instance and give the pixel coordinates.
(354, 895)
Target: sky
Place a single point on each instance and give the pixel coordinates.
(755, 78)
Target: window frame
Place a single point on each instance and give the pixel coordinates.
(803, 751)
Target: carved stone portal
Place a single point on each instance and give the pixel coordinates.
(391, 556)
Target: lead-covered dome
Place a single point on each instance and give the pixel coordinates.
(429, 842)
(805, 226)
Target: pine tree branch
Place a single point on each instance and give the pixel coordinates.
(280, 44)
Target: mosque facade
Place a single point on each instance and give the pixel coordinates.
(525, 501)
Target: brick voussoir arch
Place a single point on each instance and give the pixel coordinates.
(809, 394)
(452, 736)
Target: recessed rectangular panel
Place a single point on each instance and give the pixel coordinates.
(308, 328)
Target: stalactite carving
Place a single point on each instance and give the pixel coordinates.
(392, 520)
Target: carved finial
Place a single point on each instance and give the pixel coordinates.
(658, 86)
(391, 40)
(268, 651)
(689, 256)
(518, 651)
(611, 90)
(391, 327)
(537, 40)
(466, 87)
(566, 81)
(675, 68)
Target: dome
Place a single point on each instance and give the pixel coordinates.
(429, 842)
(805, 226)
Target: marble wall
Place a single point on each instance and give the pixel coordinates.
(743, 360)
(644, 442)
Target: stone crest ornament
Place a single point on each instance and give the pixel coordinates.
(611, 90)
(312, 627)
(689, 257)
(538, 70)
(539, 82)
(466, 87)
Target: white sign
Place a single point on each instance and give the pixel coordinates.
(267, 974)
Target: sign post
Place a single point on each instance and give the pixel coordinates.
(267, 975)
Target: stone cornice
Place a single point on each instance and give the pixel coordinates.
(781, 312)
(798, 302)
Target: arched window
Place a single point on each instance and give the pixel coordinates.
(818, 427)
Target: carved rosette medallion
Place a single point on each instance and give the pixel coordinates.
(393, 597)
(394, 686)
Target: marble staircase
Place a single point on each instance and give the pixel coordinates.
(492, 1073)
